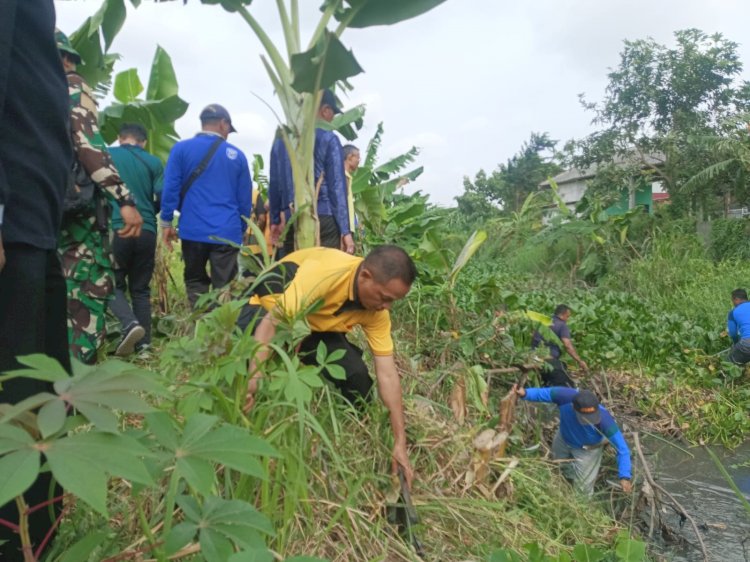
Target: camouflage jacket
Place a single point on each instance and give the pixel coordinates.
(89, 146)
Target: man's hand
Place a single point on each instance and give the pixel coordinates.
(627, 485)
(519, 390)
(252, 387)
(347, 243)
(2, 254)
(275, 232)
(169, 235)
(133, 222)
(582, 364)
(401, 458)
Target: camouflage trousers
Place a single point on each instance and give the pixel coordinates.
(87, 267)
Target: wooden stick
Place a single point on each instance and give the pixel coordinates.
(678, 505)
(511, 369)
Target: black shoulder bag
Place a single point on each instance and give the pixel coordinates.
(79, 193)
(198, 170)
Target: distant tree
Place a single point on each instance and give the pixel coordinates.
(658, 102)
(730, 165)
(506, 189)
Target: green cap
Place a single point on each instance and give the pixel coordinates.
(64, 44)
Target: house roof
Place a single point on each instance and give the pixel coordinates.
(576, 174)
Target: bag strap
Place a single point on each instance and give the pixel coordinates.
(130, 148)
(199, 170)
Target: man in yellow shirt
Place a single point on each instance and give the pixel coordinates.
(348, 291)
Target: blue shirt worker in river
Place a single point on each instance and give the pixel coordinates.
(738, 328)
(585, 428)
(340, 291)
(555, 372)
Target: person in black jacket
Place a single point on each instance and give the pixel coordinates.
(35, 163)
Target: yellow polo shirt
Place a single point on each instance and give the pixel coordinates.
(308, 276)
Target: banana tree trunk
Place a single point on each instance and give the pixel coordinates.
(299, 140)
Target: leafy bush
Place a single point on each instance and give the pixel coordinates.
(730, 239)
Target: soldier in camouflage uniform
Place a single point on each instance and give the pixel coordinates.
(84, 245)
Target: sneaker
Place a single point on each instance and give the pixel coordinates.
(131, 336)
(143, 350)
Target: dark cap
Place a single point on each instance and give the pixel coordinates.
(64, 45)
(330, 100)
(586, 405)
(216, 111)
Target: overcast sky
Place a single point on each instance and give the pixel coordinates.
(467, 82)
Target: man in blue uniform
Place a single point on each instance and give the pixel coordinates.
(585, 428)
(208, 181)
(330, 183)
(556, 372)
(738, 328)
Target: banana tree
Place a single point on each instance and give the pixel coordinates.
(373, 184)
(158, 112)
(299, 77)
(162, 106)
(97, 63)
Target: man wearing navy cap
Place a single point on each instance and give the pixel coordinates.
(585, 429)
(208, 181)
(330, 183)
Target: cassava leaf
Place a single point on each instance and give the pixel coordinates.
(18, 470)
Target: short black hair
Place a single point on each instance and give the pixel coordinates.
(349, 149)
(134, 130)
(740, 294)
(561, 309)
(389, 262)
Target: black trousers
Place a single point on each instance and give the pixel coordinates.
(223, 260)
(33, 319)
(555, 373)
(330, 235)
(357, 386)
(134, 267)
(288, 245)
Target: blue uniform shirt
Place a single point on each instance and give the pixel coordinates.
(280, 182)
(218, 199)
(560, 328)
(738, 322)
(329, 160)
(576, 434)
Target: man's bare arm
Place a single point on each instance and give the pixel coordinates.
(568, 343)
(389, 387)
(264, 333)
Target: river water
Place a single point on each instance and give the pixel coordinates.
(695, 481)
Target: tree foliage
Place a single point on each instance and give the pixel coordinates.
(508, 187)
(659, 103)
